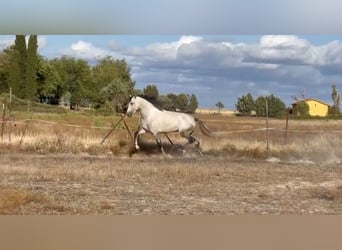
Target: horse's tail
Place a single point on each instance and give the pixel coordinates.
(203, 127)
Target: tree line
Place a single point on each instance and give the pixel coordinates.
(175, 102)
(246, 105)
(106, 86)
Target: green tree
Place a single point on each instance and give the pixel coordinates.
(75, 75)
(276, 107)
(48, 80)
(115, 94)
(182, 102)
(260, 106)
(164, 102)
(245, 104)
(301, 108)
(31, 68)
(193, 104)
(335, 95)
(17, 66)
(4, 66)
(107, 72)
(220, 106)
(22, 67)
(151, 92)
(172, 99)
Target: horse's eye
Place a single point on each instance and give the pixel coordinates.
(132, 103)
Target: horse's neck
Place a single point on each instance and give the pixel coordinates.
(147, 108)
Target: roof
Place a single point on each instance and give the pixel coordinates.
(311, 99)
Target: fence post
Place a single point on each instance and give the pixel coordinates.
(4, 104)
(10, 96)
(114, 127)
(267, 130)
(10, 129)
(286, 125)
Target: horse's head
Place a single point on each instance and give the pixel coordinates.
(133, 106)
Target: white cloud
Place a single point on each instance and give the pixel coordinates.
(85, 50)
(272, 65)
(282, 65)
(282, 41)
(163, 51)
(285, 50)
(41, 42)
(187, 40)
(332, 53)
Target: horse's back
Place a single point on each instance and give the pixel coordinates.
(178, 115)
(183, 121)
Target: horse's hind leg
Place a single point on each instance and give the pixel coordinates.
(191, 140)
(197, 144)
(159, 143)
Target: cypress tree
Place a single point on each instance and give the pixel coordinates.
(31, 68)
(14, 79)
(335, 95)
(17, 72)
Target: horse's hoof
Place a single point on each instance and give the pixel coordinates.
(131, 151)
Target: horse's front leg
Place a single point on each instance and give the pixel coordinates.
(136, 137)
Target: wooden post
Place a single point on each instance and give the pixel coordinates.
(114, 127)
(111, 131)
(10, 101)
(126, 126)
(267, 129)
(10, 124)
(286, 126)
(4, 104)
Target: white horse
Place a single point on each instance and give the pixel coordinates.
(157, 121)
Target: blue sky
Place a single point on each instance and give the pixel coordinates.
(214, 68)
(216, 49)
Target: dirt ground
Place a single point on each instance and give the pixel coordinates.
(166, 185)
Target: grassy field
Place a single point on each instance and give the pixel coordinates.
(55, 164)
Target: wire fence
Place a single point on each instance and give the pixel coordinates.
(273, 133)
(263, 131)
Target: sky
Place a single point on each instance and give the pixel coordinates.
(215, 49)
(214, 67)
(194, 17)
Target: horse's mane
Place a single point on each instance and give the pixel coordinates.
(151, 100)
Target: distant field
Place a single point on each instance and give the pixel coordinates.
(55, 164)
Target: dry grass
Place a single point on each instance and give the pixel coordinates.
(13, 198)
(56, 169)
(46, 138)
(75, 184)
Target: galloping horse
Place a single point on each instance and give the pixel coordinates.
(157, 121)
